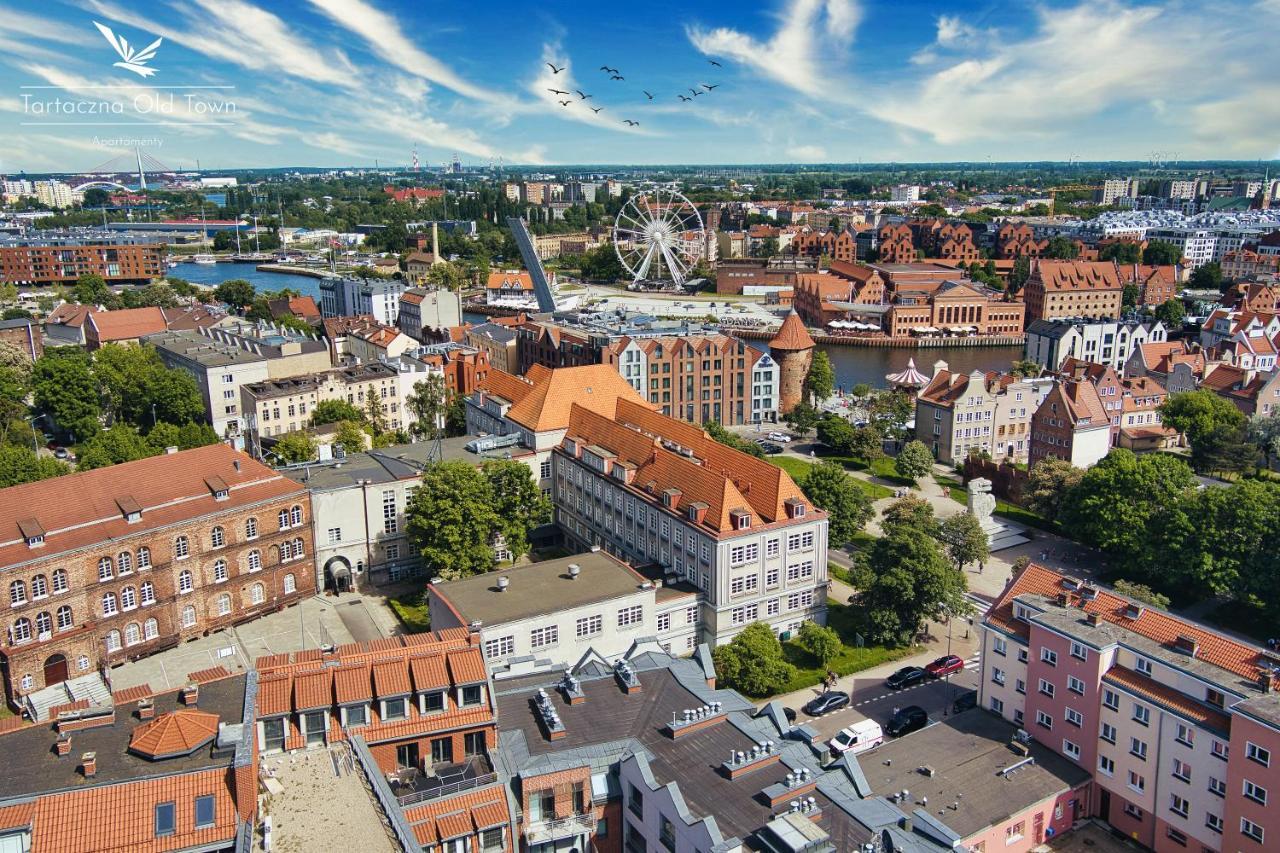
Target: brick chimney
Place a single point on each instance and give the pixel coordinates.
(191, 694)
(146, 709)
(89, 764)
(64, 743)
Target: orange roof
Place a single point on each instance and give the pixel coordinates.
(177, 733)
(351, 684)
(274, 696)
(69, 314)
(596, 387)
(792, 335)
(391, 678)
(1168, 697)
(505, 385)
(469, 812)
(126, 324)
(509, 281)
(1079, 275)
(313, 690)
(429, 673)
(1154, 624)
(466, 667)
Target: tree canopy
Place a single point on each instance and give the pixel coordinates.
(914, 461)
(1161, 253)
(332, 411)
(820, 380)
(964, 539)
(519, 502)
(830, 488)
(753, 663)
(1214, 428)
(907, 581)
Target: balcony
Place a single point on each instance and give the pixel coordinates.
(546, 831)
(412, 786)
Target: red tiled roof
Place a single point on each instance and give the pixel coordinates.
(391, 678)
(211, 674)
(352, 684)
(792, 335)
(275, 696)
(1079, 275)
(177, 733)
(429, 673)
(509, 281)
(132, 694)
(1168, 697)
(313, 690)
(126, 324)
(466, 667)
(596, 387)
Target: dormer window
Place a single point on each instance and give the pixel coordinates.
(35, 541)
(32, 531)
(130, 509)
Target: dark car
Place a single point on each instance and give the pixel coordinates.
(910, 719)
(965, 701)
(770, 448)
(826, 703)
(908, 676)
(945, 665)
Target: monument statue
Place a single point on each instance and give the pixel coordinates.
(981, 502)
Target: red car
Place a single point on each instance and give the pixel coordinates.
(945, 665)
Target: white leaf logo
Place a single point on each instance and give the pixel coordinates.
(133, 60)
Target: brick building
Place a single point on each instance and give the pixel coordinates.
(37, 262)
(26, 335)
(818, 296)
(958, 414)
(1072, 424)
(1017, 240)
(1058, 289)
(949, 241)
(117, 563)
(895, 245)
(758, 275)
(838, 245)
(962, 306)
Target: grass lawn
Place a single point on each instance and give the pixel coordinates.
(5, 713)
(411, 609)
(797, 468)
(840, 573)
(851, 659)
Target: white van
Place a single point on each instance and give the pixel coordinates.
(857, 738)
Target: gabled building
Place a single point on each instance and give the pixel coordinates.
(1072, 424)
(123, 326)
(1109, 342)
(1069, 289)
(1252, 392)
(958, 414)
(1017, 240)
(1140, 426)
(895, 245)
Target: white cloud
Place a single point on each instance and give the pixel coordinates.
(807, 153)
(16, 23)
(954, 32)
(807, 30)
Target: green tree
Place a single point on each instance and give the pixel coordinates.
(428, 404)
(964, 539)
(602, 264)
(830, 488)
(120, 443)
(802, 418)
(910, 513)
(373, 415)
(1263, 432)
(236, 292)
(1141, 592)
(1062, 248)
(820, 641)
(753, 662)
(915, 461)
(65, 390)
(909, 580)
(835, 432)
(332, 411)
(518, 501)
(1161, 253)
(861, 391)
(820, 380)
(1025, 369)
(1049, 482)
(722, 435)
(1129, 295)
(294, 447)
(447, 276)
(1122, 252)
(892, 411)
(451, 521)
(92, 289)
(1171, 313)
(1019, 274)
(867, 443)
(1212, 424)
(1207, 276)
(20, 465)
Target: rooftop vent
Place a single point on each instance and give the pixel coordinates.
(574, 570)
(1186, 645)
(1134, 610)
(503, 583)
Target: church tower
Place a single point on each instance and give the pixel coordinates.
(792, 349)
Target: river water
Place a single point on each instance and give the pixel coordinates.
(852, 365)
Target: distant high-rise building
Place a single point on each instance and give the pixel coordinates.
(904, 192)
(1117, 188)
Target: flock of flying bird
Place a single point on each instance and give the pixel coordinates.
(614, 74)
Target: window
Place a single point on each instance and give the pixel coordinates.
(1073, 717)
(1133, 811)
(1213, 821)
(470, 695)
(39, 587)
(1000, 646)
(1046, 688)
(251, 528)
(1253, 752)
(128, 598)
(17, 593)
(1218, 749)
(1178, 805)
(125, 562)
(65, 619)
(500, 647)
(181, 548)
(1251, 830)
(283, 518)
(1138, 748)
(254, 560)
(1181, 770)
(185, 582)
(295, 516)
(59, 581)
(543, 637)
(144, 558)
(1044, 719)
(22, 630)
(389, 523)
(106, 569)
(1075, 685)
(290, 584)
(1141, 714)
(589, 626)
(664, 622)
(395, 709)
(1143, 666)
(1020, 686)
(1078, 651)
(1013, 834)
(357, 715)
(433, 702)
(1215, 697)
(205, 811)
(1111, 699)
(630, 616)
(1186, 735)
(150, 629)
(132, 634)
(165, 819)
(1137, 782)
(188, 617)
(635, 801)
(1255, 792)
(224, 605)
(257, 594)
(113, 641)
(109, 604)
(1049, 656)
(997, 705)
(1071, 750)
(1022, 655)
(1217, 786)
(1175, 836)
(997, 675)
(1106, 765)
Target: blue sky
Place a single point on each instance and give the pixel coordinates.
(338, 82)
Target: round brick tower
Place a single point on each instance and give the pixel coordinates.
(792, 349)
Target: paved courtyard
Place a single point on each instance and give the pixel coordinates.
(316, 800)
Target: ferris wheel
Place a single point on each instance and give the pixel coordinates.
(658, 236)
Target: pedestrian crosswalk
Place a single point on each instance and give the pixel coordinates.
(973, 662)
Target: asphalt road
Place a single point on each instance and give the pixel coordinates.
(872, 700)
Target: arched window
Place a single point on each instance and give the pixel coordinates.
(128, 598)
(109, 604)
(59, 581)
(219, 571)
(44, 623)
(255, 561)
(251, 528)
(181, 548)
(188, 616)
(17, 593)
(105, 569)
(295, 516)
(297, 548)
(216, 537)
(113, 641)
(39, 586)
(256, 593)
(22, 630)
(284, 519)
(150, 629)
(286, 551)
(124, 560)
(290, 585)
(185, 583)
(224, 604)
(132, 634)
(148, 593)
(65, 619)
(144, 558)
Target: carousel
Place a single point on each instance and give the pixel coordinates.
(909, 380)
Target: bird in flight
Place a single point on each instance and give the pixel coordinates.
(581, 94)
(716, 64)
(565, 103)
(696, 93)
(557, 91)
(630, 122)
(596, 109)
(607, 68)
(708, 88)
(647, 95)
(684, 97)
(617, 77)
(555, 70)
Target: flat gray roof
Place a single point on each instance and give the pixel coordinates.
(397, 462)
(538, 588)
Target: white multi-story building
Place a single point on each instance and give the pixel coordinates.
(904, 192)
(1051, 342)
(345, 297)
(1117, 188)
(55, 194)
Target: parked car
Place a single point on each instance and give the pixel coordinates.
(945, 665)
(770, 448)
(856, 738)
(908, 676)
(830, 701)
(909, 719)
(779, 436)
(965, 701)
(61, 453)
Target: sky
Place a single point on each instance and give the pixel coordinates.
(354, 82)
